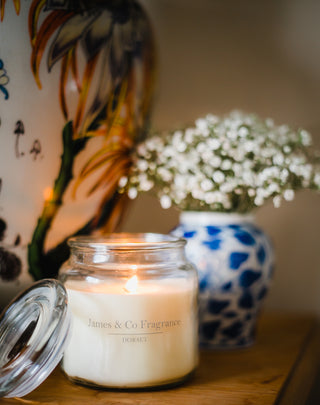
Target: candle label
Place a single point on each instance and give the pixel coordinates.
(135, 331)
(156, 325)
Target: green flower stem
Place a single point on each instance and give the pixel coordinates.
(36, 257)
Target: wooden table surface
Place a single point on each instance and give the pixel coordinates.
(278, 369)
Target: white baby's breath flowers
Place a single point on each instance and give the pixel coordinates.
(123, 181)
(226, 164)
(165, 201)
(132, 193)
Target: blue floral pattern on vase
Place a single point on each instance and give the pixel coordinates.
(235, 262)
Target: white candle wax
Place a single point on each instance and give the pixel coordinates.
(123, 338)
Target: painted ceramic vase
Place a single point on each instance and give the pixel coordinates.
(235, 262)
(76, 82)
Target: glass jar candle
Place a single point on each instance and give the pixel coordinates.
(133, 302)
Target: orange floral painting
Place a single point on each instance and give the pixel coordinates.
(106, 49)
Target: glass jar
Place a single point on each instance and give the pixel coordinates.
(133, 301)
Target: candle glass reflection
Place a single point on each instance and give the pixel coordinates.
(134, 313)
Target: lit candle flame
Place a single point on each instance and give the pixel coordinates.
(131, 284)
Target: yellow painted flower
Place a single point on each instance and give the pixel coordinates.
(3, 4)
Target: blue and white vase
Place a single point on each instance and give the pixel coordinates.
(235, 262)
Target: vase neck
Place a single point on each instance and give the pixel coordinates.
(217, 218)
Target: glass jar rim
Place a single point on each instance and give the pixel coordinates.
(127, 241)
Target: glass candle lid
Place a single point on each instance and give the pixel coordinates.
(33, 334)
